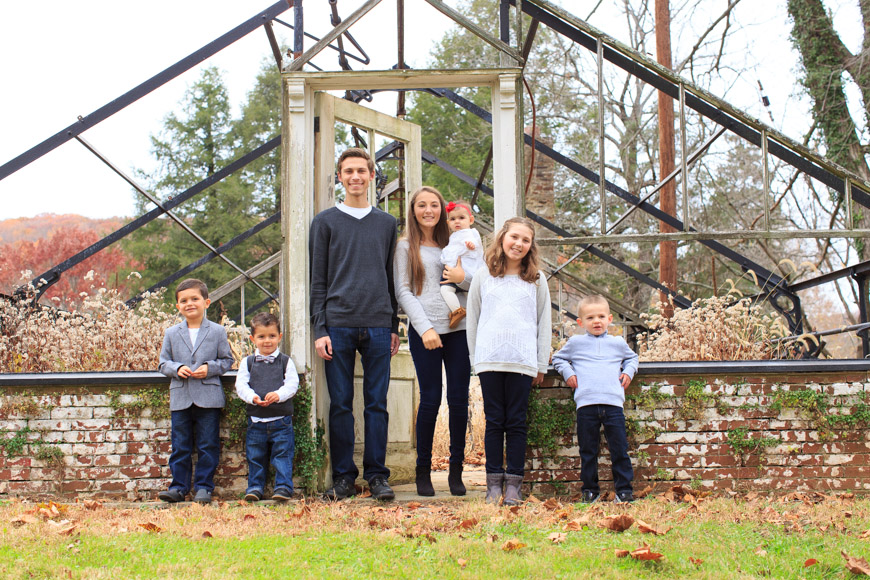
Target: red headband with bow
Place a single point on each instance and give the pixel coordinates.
(453, 205)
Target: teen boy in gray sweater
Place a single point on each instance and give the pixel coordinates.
(599, 367)
(354, 309)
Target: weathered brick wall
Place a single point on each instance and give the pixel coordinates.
(104, 440)
(701, 430)
(107, 437)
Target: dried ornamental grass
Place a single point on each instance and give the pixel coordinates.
(103, 335)
(717, 328)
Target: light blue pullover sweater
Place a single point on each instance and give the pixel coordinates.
(597, 361)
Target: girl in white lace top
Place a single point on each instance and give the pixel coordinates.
(508, 330)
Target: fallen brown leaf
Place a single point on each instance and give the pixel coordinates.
(512, 545)
(556, 537)
(93, 504)
(644, 553)
(250, 517)
(552, 504)
(207, 534)
(148, 526)
(644, 492)
(24, 519)
(645, 528)
(462, 562)
(616, 523)
(468, 524)
(810, 562)
(856, 565)
(365, 493)
(696, 561)
(574, 526)
(621, 553)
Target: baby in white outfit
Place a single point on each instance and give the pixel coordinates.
(464, 243)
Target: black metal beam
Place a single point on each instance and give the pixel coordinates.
(53, 275)
(143, 89)
(207, 257)
(704, 108)
(680, 301)
(770, 280)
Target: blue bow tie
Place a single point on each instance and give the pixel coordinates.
(269, 359)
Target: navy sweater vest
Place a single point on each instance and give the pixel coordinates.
(265, 378)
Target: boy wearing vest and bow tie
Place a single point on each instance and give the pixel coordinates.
(267, 381)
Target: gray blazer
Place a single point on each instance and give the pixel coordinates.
(211, 348)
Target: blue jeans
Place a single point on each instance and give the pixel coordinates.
(373, 345)
(454, 355)
(590, 419)
(505, 405)
(201, 426)
(272, 441)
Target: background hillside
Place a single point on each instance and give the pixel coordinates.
(42, 226)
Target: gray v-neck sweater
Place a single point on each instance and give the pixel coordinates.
(352, 271)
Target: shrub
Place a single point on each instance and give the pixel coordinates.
(716, 328)
(102, 335)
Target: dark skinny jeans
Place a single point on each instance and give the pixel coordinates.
(505, 404)
(453, 354)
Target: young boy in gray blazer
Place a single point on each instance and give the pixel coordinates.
(195, 354)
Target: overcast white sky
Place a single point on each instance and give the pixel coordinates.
(61, 59)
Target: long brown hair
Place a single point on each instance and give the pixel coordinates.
(496, 261)
(414, 235)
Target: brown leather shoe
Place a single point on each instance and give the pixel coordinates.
(456, 317)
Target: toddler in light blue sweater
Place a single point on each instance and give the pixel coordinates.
(599, 367)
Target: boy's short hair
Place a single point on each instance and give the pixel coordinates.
(356, 152)
(192, 283)
(592, 299)
(264, 319)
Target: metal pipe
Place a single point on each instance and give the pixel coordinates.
(683, 166)
(847, 187)
(861, 280)
(242, 293)
(765, 178)
(602, 193)
(157, 202)
(298, 29)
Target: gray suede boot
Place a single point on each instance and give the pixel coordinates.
(494, 483)
(512, 485)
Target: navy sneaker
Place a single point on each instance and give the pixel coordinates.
(171, 496)
(624, 497)
(589, 496)
(254, 496)
(380, 489)
(341, 489)
(282, 494)
(203, 496)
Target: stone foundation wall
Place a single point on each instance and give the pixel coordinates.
(770, 432)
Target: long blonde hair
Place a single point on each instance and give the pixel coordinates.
(496, 261)
(414, 235)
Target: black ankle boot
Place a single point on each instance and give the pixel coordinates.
(424, 481)
(454, 479)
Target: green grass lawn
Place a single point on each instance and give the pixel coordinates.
(763, 538)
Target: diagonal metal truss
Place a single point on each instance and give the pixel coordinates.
(773, 287)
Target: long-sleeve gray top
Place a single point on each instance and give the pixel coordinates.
(597, 361)
(509, 323)
(352, 271)
(428, 310)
